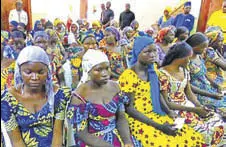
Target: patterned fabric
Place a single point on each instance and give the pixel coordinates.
(36, 128)
(117, 62)
(4, 37)
(198, 79)
(162, 33)
(207, 127)
(213, 71)
(7, 77)
(100, 120)
(10, 52)
(148, 135)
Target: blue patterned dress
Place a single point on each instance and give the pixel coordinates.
(100, 119)
(198, 79)
(36, 128)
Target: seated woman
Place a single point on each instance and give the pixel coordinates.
(176, 91)
(33, 110)
(182, 34)
(214, 60)
(205, 88)
(148, 122)
(95, 115)
(114, 52)
(164, 41)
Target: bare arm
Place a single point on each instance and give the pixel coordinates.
(204, 92)
(123, 127)
(191, 95)
(221, 63)
(57, 133)
(92, 140)
(175, 106)
(16, 138)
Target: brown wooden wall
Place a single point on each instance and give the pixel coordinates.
(207, 8)
(7, 5)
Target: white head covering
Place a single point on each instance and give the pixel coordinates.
(90, 59)
(35, 54)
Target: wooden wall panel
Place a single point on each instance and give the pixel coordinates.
(7, 5)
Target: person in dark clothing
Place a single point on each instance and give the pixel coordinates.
(108, 15)
(102, 12)
(126, 17)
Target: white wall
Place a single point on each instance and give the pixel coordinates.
(147, 12)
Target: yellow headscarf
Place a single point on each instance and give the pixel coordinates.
(57, 21)
(97, 23)
(169, 9)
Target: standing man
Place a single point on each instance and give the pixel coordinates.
(18, 14)
(126, 17)
(216, 19)
(185, 19)
(102, 12)
(108, 15)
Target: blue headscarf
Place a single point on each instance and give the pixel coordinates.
(14, 23)
(139, 44)
(37, 22)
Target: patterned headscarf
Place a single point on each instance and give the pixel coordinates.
(36, 26)
(125, 30)
(133, 23)
(14, 24)
(162, 33)
(35, 54)
(57, 21)
(213, 33)
(41, 33)
(139, 44)
(97, 23)
(90, 59)
(114, 31)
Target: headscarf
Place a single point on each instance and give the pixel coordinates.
(41, 33)
(86, 35)
(213, 33)
(169, 10)
(37, 22)
(18, 34)
(77, 25)
(114, 31)
(35, 54)
(90, 59)
(57, 21)
(14, 24)
(125, 30)
(21, 24)
(187, 4)
(139, 44)
(133, 23)
(162, 33)
(48, 24)
(97, 23)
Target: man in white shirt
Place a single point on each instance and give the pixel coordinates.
(18, 14)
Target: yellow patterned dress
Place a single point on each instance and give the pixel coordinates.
(36, 128)
(7, 77)
(148, 135)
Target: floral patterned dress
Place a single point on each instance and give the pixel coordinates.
(7, 77)
(213, 71)
(36, 128)
(198, 79)
(212, 127)
(117, 62)
(148, 135)
(100, 120)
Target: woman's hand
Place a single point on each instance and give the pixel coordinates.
(172, 114)
(202, 112)
(218, 96)
(168, 129)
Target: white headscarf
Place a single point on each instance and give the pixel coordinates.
(90, 59)
(35, 54)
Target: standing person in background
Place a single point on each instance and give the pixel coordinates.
(102, 12)
(166, 20)
(18, 14)
(108, 15)
(185, 19)
(216, 20)
(126, 17)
